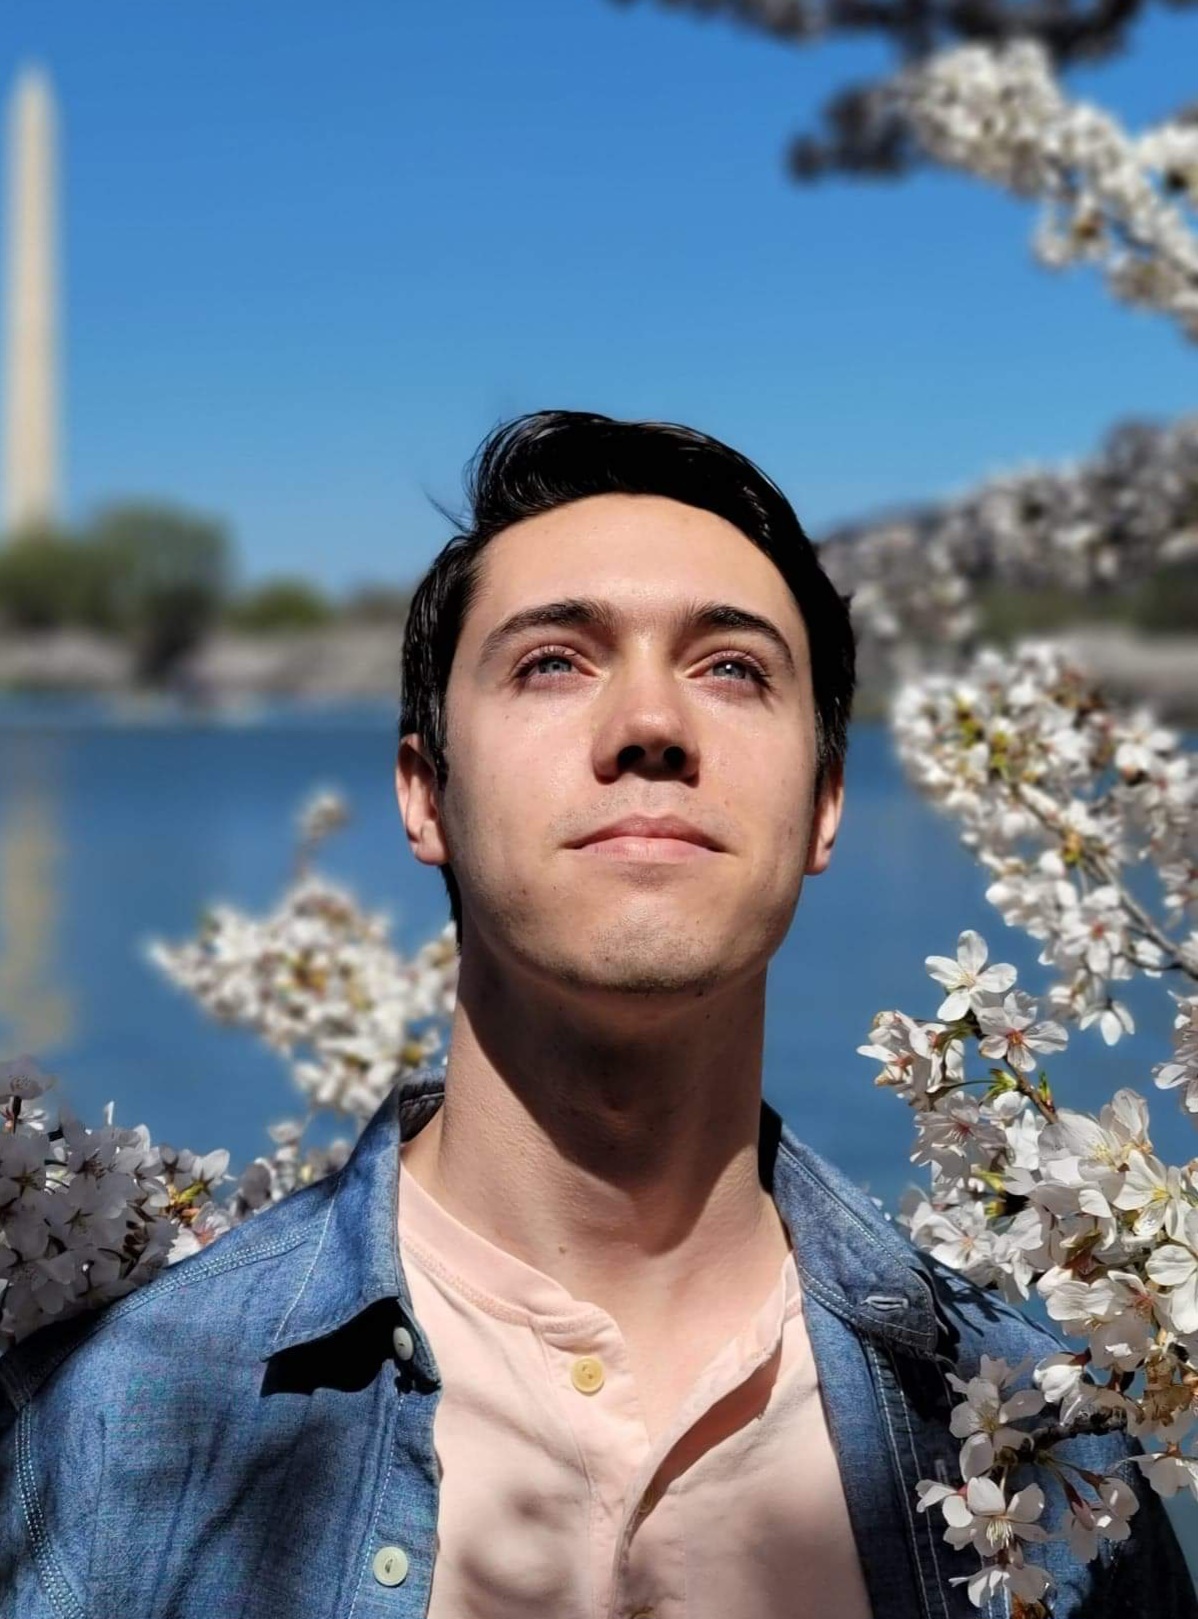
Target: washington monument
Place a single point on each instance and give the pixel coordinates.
(31, 399)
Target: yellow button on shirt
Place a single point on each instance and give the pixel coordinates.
(586, 1374)
(554, 1500)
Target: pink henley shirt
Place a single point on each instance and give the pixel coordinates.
(553, 1500)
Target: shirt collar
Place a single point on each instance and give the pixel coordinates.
(849, 1256)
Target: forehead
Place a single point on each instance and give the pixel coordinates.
(646, 554)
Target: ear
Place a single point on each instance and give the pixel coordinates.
(825, 822)
(416, 794)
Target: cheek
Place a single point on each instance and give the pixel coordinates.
(500, 791)
(787, 834)
(766, 789)
(526, 765)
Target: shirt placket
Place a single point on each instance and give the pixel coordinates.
(593, 1381)
(397, 1552)
(646, 1574)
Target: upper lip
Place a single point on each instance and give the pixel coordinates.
(650, 826)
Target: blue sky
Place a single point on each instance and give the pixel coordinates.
(314, 252)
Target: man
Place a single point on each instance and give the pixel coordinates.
(580, 1330)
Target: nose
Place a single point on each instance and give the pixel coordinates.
(647, 728)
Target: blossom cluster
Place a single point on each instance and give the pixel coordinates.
(88, 1215)
(1091, 526)
(1085, 819)
(1025, 1194)
(1109, 198)
(862, 130)
(1124, 202)
(319, 981)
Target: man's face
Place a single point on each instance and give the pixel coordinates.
(633, 704)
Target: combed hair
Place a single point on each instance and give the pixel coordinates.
(550, 458)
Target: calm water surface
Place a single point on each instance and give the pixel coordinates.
(111, 834)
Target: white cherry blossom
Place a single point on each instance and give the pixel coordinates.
(968, 979)
(1169, 1470)
(20, 1077)
(1010, 1577)
(1175, 1268)
(1108, 197)
(957, 1135)
(1114, 1020)
(1183, 1069)
(984, 1518)
(984, 1419)
(1012, 1034)
(1106, 1518)
(1114, 1313)
(1159, 1194)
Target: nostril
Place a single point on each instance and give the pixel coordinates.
(675, 758)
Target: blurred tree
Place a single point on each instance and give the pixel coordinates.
(167, 579)
(47, 578)
(378, 604)
(1167, 602)
(280, 604)
(864, 131)
(1164, 602)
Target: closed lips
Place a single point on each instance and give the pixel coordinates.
(647, 827)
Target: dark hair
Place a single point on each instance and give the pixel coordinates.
(549, 458)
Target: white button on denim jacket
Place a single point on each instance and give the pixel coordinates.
(150, 1452)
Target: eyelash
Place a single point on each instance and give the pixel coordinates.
(526, 666)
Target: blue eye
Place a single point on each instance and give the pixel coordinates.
(534, 664)
(753, 672)
(535, 667)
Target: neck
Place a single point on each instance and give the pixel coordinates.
(617, 1155)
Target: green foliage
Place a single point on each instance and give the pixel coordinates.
(48, 578)
(378, 604)
(168, 578)
(1166, 602)
(153, 574)
(280, 604)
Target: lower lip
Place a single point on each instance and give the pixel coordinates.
(662, 849)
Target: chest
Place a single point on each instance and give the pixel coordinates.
(387, 1498)
(567, 1485)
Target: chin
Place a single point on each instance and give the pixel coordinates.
(617, 960)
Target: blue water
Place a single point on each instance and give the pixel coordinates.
(112, 833)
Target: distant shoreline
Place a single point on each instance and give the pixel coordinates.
(233, 675)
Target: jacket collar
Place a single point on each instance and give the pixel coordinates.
(849, 1256)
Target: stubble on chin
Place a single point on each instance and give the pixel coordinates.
(639, 959)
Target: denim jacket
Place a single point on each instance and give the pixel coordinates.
(250, 1435)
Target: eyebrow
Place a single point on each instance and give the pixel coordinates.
(575, 612)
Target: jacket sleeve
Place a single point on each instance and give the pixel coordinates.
(20, 1588)
(1149, 1573)
(48, 1479)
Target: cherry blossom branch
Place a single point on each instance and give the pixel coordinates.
(1049, 784)
(999, 113)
